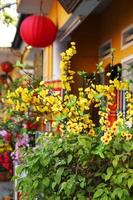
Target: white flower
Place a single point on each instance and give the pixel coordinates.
(129, 124)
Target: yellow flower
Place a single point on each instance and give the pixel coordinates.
(103, 128)
(111, 89)
(37, 119)
(101, 121)
(19, 90)
(73, 43)
(42, 83)
(91, 132)
(9, 101)
(116, 84)
(106, 138)
(108, 74)
(62, 54)
(129, 136)
(43, 93)
(126, 135)
(17, 106)
(23, 107)
(100, 88)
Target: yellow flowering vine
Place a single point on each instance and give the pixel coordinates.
(71, 113)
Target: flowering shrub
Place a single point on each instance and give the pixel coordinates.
(76, 159)
(6, 166)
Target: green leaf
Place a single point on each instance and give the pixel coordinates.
(46, 181)
(112, 50)
(82, 184)
(81, 196)
(98, 193)
(69, 159)
(130, 182)
(59, 174)
(119, 179)
(45, 161)
(100, 66)
(98, 96)
(120, 193)
(14, 178)
(35, 184)
(104, 197)
(53, 185)
(82, 73)
(63, 186)
(60, 163)
(125, 192)
(109, 173)
(57, 198)
(19, 169)
(19, 64)
(117, 192)
(115, 161)
(60, 171)
(127, 146)
(58, 152)
(99, 151)
(84, 142)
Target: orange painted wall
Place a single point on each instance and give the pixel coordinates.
(112, 21)
(58, 14)
(62, 15)
(86, 38)
(97, 29)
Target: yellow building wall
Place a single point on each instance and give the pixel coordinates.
(112, 21)
(59, 16)
(96, 30)
(93, 32)
(62, 15)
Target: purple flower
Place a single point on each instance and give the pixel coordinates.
(3, 133)
(22, 141)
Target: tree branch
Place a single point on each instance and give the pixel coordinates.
(7, 6)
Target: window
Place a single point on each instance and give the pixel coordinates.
(127, 69)
(104, 49)
(127, 37)
(127, 74)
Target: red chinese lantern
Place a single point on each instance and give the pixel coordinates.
(38, 31)
(6, 67)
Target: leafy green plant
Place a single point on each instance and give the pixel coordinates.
(77, 167)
